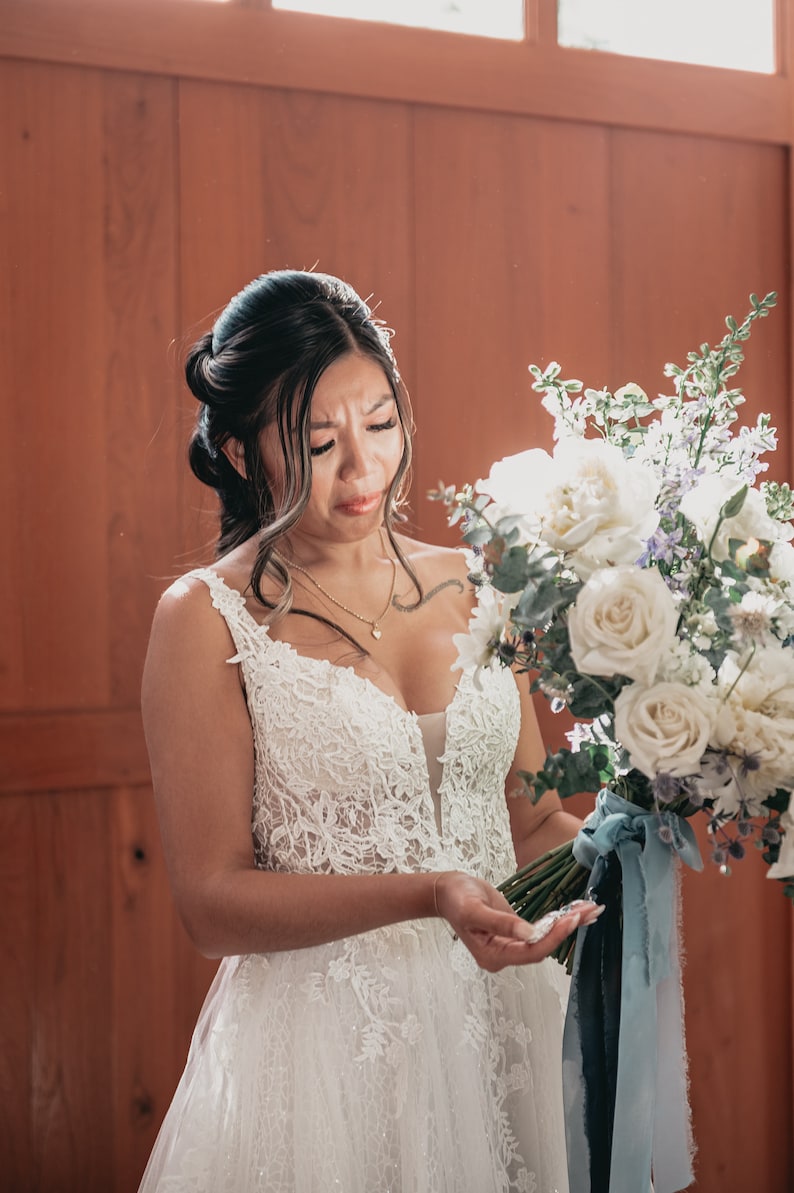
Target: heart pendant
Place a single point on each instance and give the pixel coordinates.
(376, 631)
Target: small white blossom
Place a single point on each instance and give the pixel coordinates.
(681, 664)
(753, 618)
(477, 648)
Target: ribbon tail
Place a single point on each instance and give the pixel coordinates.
(673, 1145)
(636, 1093)
(591, 1039)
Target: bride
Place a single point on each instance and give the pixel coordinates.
(332, 799)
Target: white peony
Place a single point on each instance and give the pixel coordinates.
(702, 505)
(761, 756)
(665, 728)
(587, 501)
(623, 622)
(765, 684)
(516, 486)
(756, 726)
(600, 507)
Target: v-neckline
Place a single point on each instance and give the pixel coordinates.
(262, 628)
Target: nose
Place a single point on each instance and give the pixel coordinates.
(355, 459)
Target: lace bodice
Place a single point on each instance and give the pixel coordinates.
(341, 780)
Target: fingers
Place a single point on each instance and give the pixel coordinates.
(583, 912)
(522, 943)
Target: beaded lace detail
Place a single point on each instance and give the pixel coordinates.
(435, 1067)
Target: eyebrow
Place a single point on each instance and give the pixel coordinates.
(328, 423)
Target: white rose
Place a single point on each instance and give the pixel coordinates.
(622, 623)
(600, 507)
(665, 727)
(702, 506)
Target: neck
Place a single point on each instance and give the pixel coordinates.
(314, 553)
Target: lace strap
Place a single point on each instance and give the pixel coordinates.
(249, 635)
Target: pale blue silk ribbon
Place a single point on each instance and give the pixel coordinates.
(651, 1129)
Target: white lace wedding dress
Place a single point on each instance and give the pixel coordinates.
(386, 1062)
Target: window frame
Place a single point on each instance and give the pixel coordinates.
(255, 44)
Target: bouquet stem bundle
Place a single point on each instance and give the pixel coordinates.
(546, 884)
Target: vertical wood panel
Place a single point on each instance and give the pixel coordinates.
(737, 935)
(273, 180)
(146, 939)
(17, 900)
(71, 996)
(511, 245)
(697, 225)
(143, 447)
(53, 347)
(91, 286)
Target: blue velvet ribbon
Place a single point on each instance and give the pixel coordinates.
(624, 1063)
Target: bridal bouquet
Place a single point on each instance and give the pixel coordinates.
(645, 580)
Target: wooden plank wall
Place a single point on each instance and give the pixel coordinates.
(136, 204)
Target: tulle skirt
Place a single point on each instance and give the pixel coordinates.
(384, 1063)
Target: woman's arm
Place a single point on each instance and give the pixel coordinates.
(201, 750)
(541, 826)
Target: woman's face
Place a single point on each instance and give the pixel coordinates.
(356, 443)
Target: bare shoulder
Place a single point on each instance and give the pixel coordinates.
(188, 634)
(434, 563)
(444, 577)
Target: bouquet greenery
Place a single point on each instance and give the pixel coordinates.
(645, 581)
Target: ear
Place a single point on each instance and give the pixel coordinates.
(234, 452)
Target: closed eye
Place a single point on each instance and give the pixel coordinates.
(322, 448)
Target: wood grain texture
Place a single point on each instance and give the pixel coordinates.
(54, 414)
(697, 225)
(737, 935)
(70, 751)
(152, 1017)
(144, 448)
(91, 292)
(18, 1027)
(234, 43)
(273, 180)
(71, 1011)
(512, 268)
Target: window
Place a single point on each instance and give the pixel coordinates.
(734, 33)
(485, 18)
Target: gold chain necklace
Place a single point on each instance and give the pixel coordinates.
(374, 625)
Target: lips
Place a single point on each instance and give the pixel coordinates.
(365, 504)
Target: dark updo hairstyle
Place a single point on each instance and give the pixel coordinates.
(259, 367)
